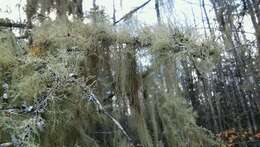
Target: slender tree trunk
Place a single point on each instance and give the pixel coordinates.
(94, 4)
(114, 12)
(157, 9)
(255, 18)
(79, 9)
(207, 19)
(94, 11)
(208, 97)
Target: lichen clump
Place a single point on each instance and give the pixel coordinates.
(8, 49)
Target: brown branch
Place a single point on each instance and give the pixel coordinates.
(126, 16)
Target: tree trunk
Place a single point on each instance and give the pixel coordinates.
(157, 9)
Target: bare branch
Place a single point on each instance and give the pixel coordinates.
(126, 16)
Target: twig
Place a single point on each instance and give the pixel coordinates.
(126, 16)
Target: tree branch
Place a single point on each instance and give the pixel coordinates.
(126, 16)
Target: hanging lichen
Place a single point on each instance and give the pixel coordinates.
(52, 83)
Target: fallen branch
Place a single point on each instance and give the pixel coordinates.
(126, 16)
